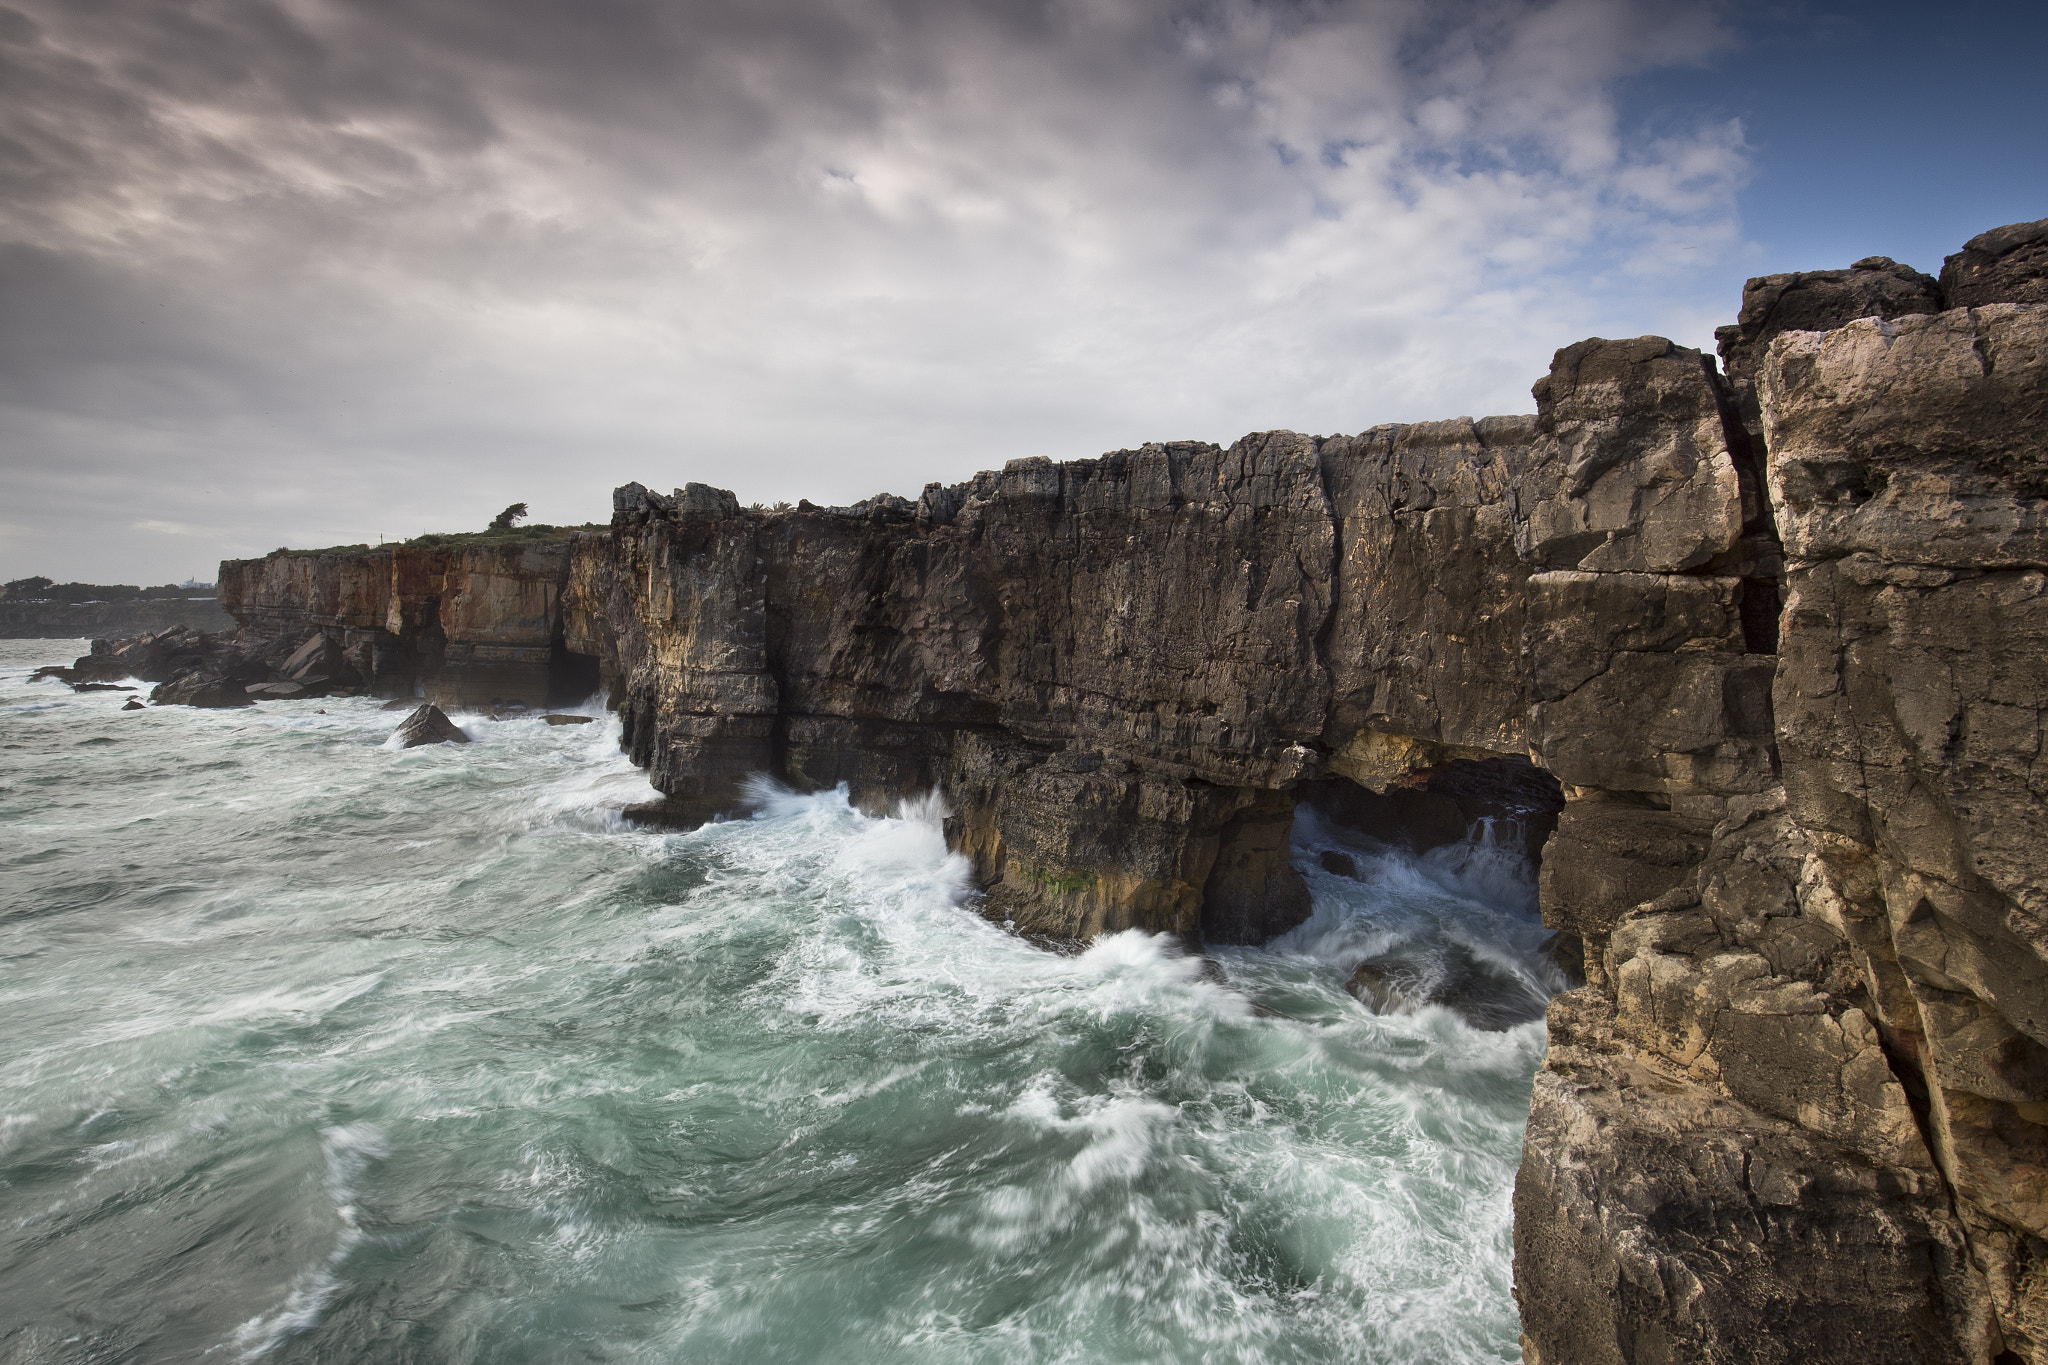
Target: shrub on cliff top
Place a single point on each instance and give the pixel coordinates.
(510, 535)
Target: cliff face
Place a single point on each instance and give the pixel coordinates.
(1797, 1112)
(1776, 638)
(467, 626)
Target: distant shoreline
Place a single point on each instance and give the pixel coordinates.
(86, 620)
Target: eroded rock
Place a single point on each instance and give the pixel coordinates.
(2005, 265)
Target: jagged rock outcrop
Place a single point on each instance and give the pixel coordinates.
(197, 668)
(1775, 638)
(2005, 265)
(428, 725)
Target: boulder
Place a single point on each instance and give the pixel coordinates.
(428, 726)
(199, 688)
(321, 656)
(132, 705)
(1482, 998)
(568, 720)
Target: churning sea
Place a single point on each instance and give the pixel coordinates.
(317, 1050)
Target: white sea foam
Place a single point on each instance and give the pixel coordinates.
(372, 1038)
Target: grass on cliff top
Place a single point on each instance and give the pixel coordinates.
(517, 535)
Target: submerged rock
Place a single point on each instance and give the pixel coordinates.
(1459, 982)
(133, 705)
(428, 726)
(99, 687)
(568, 720)
(1340, 863)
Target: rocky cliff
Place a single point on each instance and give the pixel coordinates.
(466, 625)
(1757, 654)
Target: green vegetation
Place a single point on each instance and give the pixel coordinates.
(1061, 883)
(510, 535)
(436, 540)
(46, 590)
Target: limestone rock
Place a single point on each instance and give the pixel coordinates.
(1916, 441)
(1658, 1219)
(2005, 265)
(1631, 469)
(1611, 854)
(1819, 301)
(319, 662)
(427, 725)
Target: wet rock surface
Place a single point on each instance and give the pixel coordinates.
(1774, 640)
(428, 725)
(196, 668)
(1458, 982)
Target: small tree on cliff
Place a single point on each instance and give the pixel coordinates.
(503, 521)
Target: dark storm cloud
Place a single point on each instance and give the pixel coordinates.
(308, 271)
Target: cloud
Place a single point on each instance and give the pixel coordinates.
(312, 272)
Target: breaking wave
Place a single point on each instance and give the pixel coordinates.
(320, 1051)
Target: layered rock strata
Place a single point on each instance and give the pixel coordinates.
(462, 626)
(1775, 635)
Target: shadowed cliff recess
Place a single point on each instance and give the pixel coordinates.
(1759, 655)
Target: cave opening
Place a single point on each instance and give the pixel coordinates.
(1425, 894)
(572, 678)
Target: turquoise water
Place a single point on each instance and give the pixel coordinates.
(321, 1051)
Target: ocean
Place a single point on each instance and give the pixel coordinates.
(317, 1050)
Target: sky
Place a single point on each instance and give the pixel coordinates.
(313, 272)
